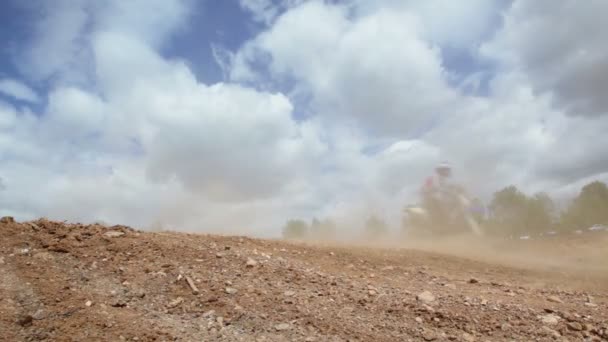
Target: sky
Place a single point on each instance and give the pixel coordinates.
(234, 116)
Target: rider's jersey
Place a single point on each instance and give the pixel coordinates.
(434, 185)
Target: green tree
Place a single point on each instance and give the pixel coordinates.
(513, 212)
(588, 208)
(539, 213)
(507, 208)
(325, 229)
(295, 229)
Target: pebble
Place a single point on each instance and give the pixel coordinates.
(231, 290)
(251, 262)
(554, 299)
(418, 319)
(114, 234)
(473, 281)
(426, 297)
(175, 302)
(39, 314)
(428, 335)
(468, 337)
(289, 293)
(549, 319)
(282, 327)
(550, 332)
(88, 303)
(574, 326)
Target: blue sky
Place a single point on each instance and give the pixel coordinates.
(227, 25)
(121, 111)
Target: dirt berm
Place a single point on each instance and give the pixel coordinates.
(70, 282)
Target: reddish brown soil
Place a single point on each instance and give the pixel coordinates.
(68, 282)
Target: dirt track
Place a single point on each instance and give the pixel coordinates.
(91, 283)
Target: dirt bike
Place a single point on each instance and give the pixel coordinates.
(453, 215)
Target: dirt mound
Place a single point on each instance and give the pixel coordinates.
(71, 282)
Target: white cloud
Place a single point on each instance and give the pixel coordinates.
(263, 10)
(266, 11)
(375, 69)
(559, 45)
(56, 47)
(131, 136)
(17, 90)
(457, 24)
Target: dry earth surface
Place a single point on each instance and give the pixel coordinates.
(71, 282)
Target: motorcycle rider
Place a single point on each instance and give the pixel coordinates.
(436, 190)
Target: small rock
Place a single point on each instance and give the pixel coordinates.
(468, 337)
(219, 255)
(591, 305)
(550, 332)
(473, 281)
(310, 339)
(220, 320)
(505, 326)
(418, 319)
(428, 335)
(88, 303)
(114, 234)
(484, 302)
(175, 302)
(550, 319)
(388, 268)
(554, 299)
(289, 293)
(282, 327)
(426, 297)
(39, 314)
(251, 262)
(231, 290)
(138, 293)
(450, 286)
(428, 308)
(575, 326)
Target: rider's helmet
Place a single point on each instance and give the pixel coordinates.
(444, 169)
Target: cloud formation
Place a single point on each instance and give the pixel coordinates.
(330, 110)
(17, 90)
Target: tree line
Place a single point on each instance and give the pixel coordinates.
(511, 212)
